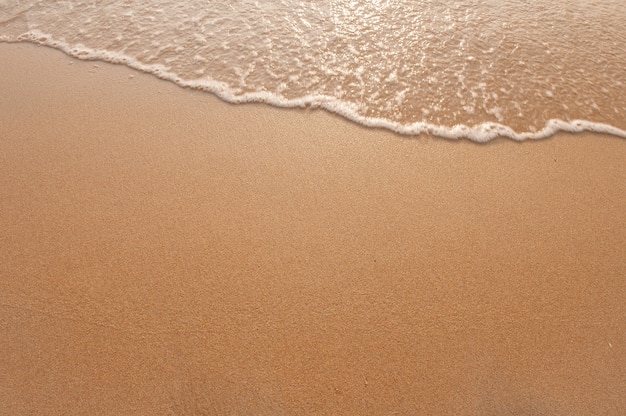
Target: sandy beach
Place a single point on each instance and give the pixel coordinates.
(163, 252)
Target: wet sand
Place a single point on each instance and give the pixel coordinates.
(167, 253)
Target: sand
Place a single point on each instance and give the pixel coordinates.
(163, 252)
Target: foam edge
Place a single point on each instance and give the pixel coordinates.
(480, 133)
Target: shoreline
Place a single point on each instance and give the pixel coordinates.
(479, 133)
(165, 252)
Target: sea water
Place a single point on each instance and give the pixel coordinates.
(471, 68)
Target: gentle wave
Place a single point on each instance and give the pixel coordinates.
(372, 102)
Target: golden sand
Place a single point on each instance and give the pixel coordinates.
(165, 253)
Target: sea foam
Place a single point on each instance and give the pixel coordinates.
(455, 71)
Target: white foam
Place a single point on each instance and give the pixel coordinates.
(481, 133)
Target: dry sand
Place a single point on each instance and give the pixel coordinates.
(165, 253)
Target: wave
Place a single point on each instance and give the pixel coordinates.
(481, 133)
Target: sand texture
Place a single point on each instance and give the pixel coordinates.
(162, 252)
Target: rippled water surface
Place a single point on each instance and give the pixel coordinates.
(488, 67)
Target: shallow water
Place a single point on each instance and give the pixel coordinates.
(477, 68)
